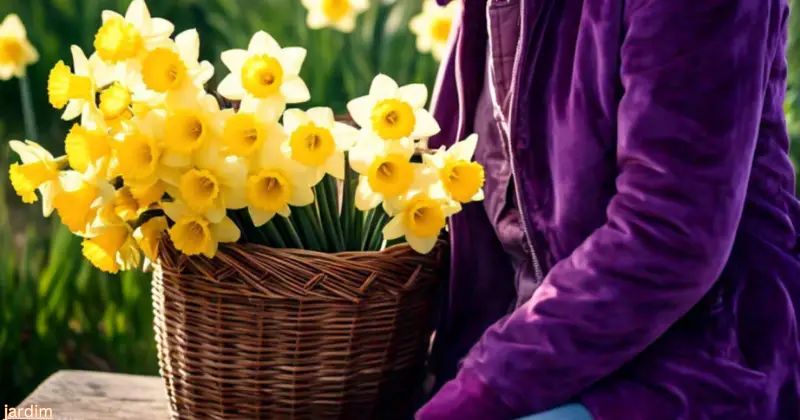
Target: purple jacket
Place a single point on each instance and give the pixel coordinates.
(649, 150)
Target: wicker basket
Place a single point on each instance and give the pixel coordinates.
(262, 333)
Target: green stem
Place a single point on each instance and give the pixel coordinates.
(332, 194)
(288, 231)
(327, 222)
(366, 230)
(347, 216)
(272, 234)
(376, 238)
(28, 113)
(308, 221)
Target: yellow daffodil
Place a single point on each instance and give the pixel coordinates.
(461, 178)
(420, 218)
(274, 184)
(393, 113)
(193, 234)
(173, 69)
(213, 185)
(317, 141)
(247, 131)
(148, 236)
(139, 151)
(80, 197)
(39, 171)
(265, 72)
(73, 91)
(190, 127)
(384, 175)
(432, 26)
(122, 38)
(112, 249)
(118, 85)
(85, 147)
(339, 14)
(148, 195)
(16, 52)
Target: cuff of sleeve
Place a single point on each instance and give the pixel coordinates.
(465, 398)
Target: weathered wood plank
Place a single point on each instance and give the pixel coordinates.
(74, 394)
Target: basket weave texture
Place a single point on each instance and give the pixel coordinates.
(263, 333)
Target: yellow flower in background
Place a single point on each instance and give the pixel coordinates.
(174, 68)
(265, 72)
(148, 236)
(432, 26)
(420, 219)
(80, 197)
(461, 178)
(390, 112)
(122, 38)
(247, 131)
(193, 234)
(317, 141)
(73, 90)
(339, 14)
(39, 171)
(16, 52)
(274, 184)
(112, 249)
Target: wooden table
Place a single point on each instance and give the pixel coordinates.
(81, 395)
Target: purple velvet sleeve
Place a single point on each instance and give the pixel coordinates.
(693, 74)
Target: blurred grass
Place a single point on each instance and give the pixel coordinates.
(56, 311)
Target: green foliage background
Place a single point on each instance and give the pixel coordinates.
(56, 311)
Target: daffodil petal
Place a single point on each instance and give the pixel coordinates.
(426, 126)
(415, 94)
(335, 165)
(110, 14)
(478, 196)
(394, 229)
(360, 110)
(421, 245)
(13, 27)
(234, 59)
(188, 43)
(285, 211)
(73, 110)
(260, 217)
(80, 64)
(344, 135)
(174, 209)
(294, 118)
(216, 213)
(231, 87)
(366, 199)
(292, 59)
(175, 160)
(295, 91)
(161, 27)
(301, 196)
(316, 19)
(137, 14)
(346, 24)
(235, 198)
(321, 116)
(226, 230)
(383, 87)
(464, 149)
(263, 43)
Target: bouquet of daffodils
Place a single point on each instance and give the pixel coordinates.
(154, 152)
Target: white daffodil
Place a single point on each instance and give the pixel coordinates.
(250, 129)
(460, 177)
(393, 113)
(317, 141)
(384, 173)
(127, 37)
(39, 171)
(420, 217)
(432, 26)
(276, 182)
(16, 52)
(173, 69)
(265, 72)
(193, 234)
(339, 14)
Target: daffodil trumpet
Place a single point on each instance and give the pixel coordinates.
(150, 154)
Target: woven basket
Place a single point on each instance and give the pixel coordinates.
(262, 333)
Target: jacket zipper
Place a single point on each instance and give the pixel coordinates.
(537, 266)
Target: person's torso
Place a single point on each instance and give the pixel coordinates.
(556, 126)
